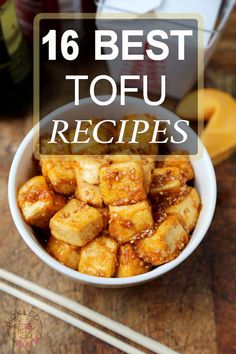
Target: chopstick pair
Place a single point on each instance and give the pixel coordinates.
(83, 311)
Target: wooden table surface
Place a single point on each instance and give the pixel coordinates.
(192, 309)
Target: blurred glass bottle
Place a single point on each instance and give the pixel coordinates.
(15, 62)
(27, 9)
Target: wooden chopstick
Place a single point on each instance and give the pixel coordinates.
(105, 337)
(88, 313)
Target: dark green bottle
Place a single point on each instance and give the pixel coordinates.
(15, 62)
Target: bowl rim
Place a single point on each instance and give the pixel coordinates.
(35, 246)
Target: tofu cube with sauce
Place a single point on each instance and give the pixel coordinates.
(166, 180)
(87, 168)
(87, 178)
(66, 254)
(147, 169)
(76, 223)
(38, 202)
(88, 193)
(105, 216)
(122, 183)
(146, 162)
(128, 222)
(129, 263)
(187, 210)
(60, 173)
(99, 257)
(164, 244)
(182, 162)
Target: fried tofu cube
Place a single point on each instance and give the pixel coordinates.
(166, 180)
(59, 202)
(162, 201)
(187, 210)
(148, 165)
(38, 202)
(127, 156)
(128, 262)
(88, 193)
(66, 254)
(128, 222)
(149, 160)
(182, 162)
(122, 183)
(99, 257)
(165, 243)
(87, 168)
(76, 223)
(60, 173)
(147, 169)
(105, 217)
(87, 178)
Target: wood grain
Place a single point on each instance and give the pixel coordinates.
(191, 309)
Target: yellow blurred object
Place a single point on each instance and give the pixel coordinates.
(219, 109)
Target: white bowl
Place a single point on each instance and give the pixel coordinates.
(22, 169)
